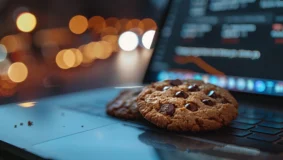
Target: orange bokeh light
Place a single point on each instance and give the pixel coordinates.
(109, 31)
(11, 43)
(78, 55)
(86, 53)
(18, 72)
(122, 22)
(113, 40)
(113, 22)
(26, 22)
(78, 24)
(97, 23)
(107, 50)
(148, 24)
(135, 24)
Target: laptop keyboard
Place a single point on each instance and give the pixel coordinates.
(257, 125)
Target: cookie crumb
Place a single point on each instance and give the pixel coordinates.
(82, 126)
(15, 126)
(21, 124)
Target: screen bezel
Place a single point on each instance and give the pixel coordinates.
(147, 79)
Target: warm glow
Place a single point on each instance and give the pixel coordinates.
(122, 22)
(135, 25)
(60, 36)
(27, 104)
(26, 22)
(148, 24)
(78, 24)
(107, 50)
(147, 38)
(59, 60)
(109, 31)
(10, 42)
(66, 59)
(79, 57)
(97, 23)
(113, 40)
(4, 66)
(97, 49)
(113, 22)
(69, 58)
(18, 72)
(3, 52)
(128, 41)
(87, 53)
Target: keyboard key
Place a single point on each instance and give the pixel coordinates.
(271, 124)
(274, 119)
(266, 130)
(241, 126)
(263, 137)
(247, 120)
(235, 132)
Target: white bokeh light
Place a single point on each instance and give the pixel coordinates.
(128, 41)
(3, 52)
(147, 38)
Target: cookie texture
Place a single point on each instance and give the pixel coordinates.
(187, 105)
(124, 105)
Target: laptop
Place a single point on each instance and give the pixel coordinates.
(234, 44)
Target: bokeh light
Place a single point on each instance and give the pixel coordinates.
(78, 24)
(78, 55)
(18, 11)
(27, 104)
(60, 61)
(128, 41)
(3, 52)
(97, 24)
(66, 59)
(107, 50)
(113, 22)
(4, 66)
(147, 38)
(85, 50)
(69, 58)
(122, 23)
(109, 31)
(26, 22)
(113, 40)
(10, 42)
(148, 24)
(18, 72)
(135, 25)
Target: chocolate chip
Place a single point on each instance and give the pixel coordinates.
(193, 88)
(181, 94)
(168, 109)
(176, 82)
(208, 102)
(212, 94)
(30, 123)
(166, 88)
(191, 106)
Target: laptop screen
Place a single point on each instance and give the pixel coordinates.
(235, 44)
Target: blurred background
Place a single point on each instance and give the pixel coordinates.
(58, 46)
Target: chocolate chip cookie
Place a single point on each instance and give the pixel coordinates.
(187, 105)
(124, 105)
